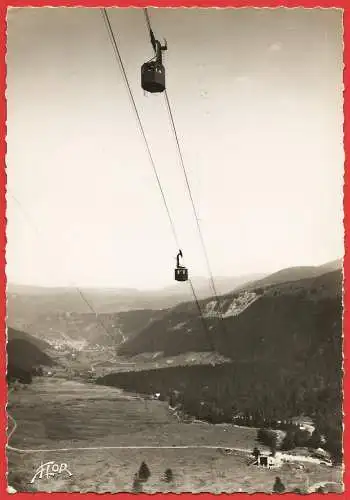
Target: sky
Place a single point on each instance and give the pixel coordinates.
(257, 101)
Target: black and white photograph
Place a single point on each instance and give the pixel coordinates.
(175, 247)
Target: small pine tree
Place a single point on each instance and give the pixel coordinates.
(168, 476)
(278, 487)
(144, 472)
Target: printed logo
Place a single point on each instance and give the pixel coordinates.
(50, 470)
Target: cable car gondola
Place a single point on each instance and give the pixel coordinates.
(181, 272)
(153, 71)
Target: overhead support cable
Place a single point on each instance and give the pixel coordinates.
(189, 190)
(119, 59)
(131, 96)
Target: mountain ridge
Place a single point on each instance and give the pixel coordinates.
(166, 336)
(54, 322)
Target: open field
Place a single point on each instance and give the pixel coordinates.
(54, 414)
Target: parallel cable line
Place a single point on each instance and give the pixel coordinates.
(131, 96)
(132, 99)
(81, 294)
(172, 121)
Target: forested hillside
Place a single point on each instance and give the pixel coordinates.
(286, 352)
(288, 319)
(24, 353)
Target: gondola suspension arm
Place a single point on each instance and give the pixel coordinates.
(153, 71)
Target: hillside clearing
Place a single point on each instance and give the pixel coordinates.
(53, 413)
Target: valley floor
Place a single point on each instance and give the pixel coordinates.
(87, 426)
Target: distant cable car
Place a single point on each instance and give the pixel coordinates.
(153, 71)
(181, 272)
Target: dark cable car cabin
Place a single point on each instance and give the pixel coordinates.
(153, 77)
(153, 71)
(181, 272)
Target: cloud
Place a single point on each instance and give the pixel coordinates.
(275, 47)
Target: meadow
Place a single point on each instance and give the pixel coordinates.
(53, 413)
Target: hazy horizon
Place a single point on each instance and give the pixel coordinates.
(257, 100)
(154, 289)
